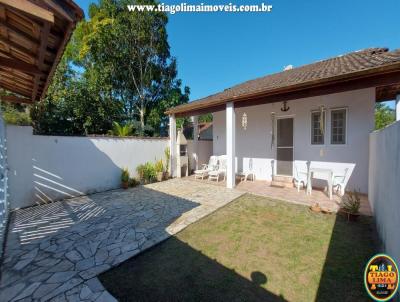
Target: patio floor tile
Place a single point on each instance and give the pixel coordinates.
(264, 188)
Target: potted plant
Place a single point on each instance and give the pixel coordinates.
(149, 172)
(140, 171)
(159, 168)
(351, 205)
(167, 154)
(125, 178)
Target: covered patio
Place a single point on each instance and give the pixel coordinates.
(263, 188)
(307, 125)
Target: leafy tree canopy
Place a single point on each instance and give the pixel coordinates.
(205, 118)
(14, 113)
(116, 68)
(384, 116)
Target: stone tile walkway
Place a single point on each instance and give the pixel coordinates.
(54, 252)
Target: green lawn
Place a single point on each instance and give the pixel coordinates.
(254, 249)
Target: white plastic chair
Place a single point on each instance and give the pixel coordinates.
(206, 168)
(300, 177)
(214, 175)
(338, 182)
(244, 175)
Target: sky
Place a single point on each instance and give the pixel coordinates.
(218, 50)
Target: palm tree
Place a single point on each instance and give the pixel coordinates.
(121, 130)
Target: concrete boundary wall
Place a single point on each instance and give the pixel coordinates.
(384, 186)
(48, 168)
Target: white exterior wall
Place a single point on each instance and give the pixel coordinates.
(204, 151)
(57, 167)
(384, 186)
(255, 142)
(44, 168)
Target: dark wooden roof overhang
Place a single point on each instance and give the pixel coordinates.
(33, 36)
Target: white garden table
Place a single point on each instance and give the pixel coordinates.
(325, 173)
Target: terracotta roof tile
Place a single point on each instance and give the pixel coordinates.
(348, 64)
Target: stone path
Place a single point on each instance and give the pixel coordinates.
(54, 252)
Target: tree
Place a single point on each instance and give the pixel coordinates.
(206, 118)
(116, 67)
(133, 48)
(121, 130)
(75, 105)
(384, 116)
(14, 113)
(157, 118)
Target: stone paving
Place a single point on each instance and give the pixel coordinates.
(54, 252)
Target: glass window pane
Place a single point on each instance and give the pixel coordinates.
(317, 137)
(338, 126)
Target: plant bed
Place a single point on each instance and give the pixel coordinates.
(159, 169)
(351, 205)
(160, 176)
(147, 173)
(133, 182)
(125, 179)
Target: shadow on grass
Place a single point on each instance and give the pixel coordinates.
(285, 249)
(173, 271)
(352, 244)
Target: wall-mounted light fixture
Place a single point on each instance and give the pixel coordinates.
(244, 121)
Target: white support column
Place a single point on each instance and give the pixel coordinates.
(398, 107)
(195, 141)
(230, 145)
(172, 145)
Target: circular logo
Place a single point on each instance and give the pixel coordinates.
(381, 277)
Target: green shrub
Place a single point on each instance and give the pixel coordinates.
(159, 166)
(17, 118)
(15, 114)
(133, 182)
(125, 175)
(149, 174)
(140, 171)
(146, 172)
(121, 130)
(351, 202)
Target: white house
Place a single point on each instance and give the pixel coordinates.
(316, 116)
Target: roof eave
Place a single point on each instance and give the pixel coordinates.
(381, 70)
(29, 69)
